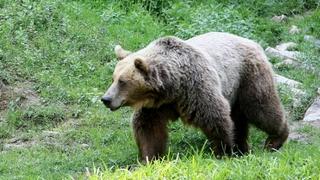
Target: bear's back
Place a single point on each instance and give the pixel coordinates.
(226, 53)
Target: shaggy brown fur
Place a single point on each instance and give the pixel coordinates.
(217, 86)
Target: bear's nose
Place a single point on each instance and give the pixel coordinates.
(106, 101)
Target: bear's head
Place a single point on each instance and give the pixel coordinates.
(130, 85)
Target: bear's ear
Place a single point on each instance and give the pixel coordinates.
(141, 65)
(121, 53)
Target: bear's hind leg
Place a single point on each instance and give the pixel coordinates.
(150, 130)
(271, 121)
(260, 103)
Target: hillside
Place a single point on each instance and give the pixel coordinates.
(56, 61)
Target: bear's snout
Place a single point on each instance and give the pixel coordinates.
(106, 101)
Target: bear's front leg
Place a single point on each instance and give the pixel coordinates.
(215, 121)
(221, 138)
(150, 130)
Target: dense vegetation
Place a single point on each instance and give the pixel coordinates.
(64, 49)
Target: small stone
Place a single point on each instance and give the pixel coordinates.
(313, 112)
(272, 52)
(84, 145)
(297, 94)
(294, 30)
(280, 18)
(286, 46)
(313, 40)
(287, 63)
(50, 133)
(296, 136)
(318, 91)
(289, 82)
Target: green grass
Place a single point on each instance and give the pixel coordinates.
(65, 50)
(288, 164)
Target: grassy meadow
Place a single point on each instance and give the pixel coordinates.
(63, 51)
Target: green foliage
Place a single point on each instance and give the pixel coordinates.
(155, 7)
(274, 7)
(268, 32)
(205, 18)
(66, 49)
(48, 39)
(201, 166)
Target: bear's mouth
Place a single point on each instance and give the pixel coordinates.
(114, 108)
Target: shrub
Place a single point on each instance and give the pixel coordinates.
(186, 22)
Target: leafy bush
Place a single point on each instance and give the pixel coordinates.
(273, 7)
(185, 21)
(155, 7)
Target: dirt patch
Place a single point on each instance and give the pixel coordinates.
(17, 143)
(25, 96)
(45, 138)
(21, 94)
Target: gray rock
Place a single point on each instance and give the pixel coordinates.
(297, 136)
(287, 63)
(280, 18)
(286, 81)
(50, 133)
(313, 40)
(272, 52)
(294, 30)
(313, 112)
(85, 145)
(286, 46)
(293, 86)
(298, 95)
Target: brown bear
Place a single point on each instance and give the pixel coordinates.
(217, 82)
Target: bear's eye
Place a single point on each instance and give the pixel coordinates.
(121, 82)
